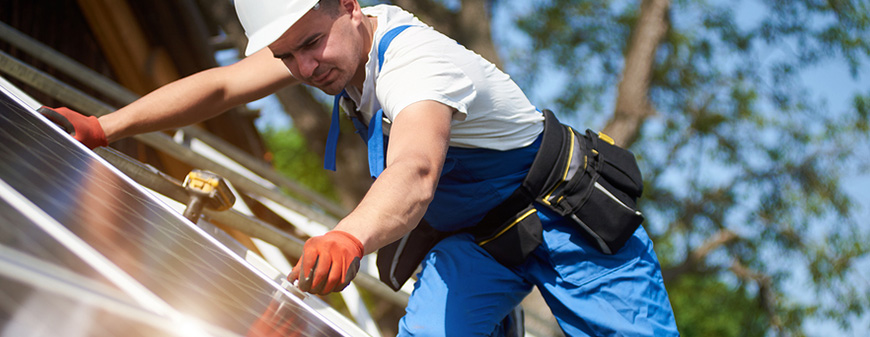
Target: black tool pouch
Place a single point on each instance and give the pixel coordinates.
(597, 186)
(512, 230)
(515, 239)
(399, 260)
(583, 177)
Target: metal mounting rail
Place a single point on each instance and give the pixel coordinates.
(123, 96)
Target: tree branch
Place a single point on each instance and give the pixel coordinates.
(765, 292)
(632, 103)
(470, 26)
(695, 258)
(473, 25)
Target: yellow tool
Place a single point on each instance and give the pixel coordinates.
(206, 189)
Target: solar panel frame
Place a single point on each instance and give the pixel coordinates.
(175, 260)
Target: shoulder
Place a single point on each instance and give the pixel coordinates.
(414, 33)
(409, 50)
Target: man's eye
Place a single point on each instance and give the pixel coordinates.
(313, 42)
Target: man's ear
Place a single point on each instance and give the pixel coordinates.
(348, 6)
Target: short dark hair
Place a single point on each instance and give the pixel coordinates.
(329, 7)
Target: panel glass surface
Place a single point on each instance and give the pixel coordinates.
(27, 310)
(156, 246)
(42, 299)
(18, 233)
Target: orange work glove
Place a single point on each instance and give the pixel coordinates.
(85, 129)
(328, 263)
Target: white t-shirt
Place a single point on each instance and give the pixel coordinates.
(423, 64)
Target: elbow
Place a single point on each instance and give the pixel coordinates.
(425, 176)
(429, 176)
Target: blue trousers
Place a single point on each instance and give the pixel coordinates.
(463, 291)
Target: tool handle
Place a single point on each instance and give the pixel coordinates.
(194, 209)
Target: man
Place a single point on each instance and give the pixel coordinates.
(462, 137)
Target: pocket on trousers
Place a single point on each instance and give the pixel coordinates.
(576, 259)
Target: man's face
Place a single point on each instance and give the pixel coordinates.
(321, 50)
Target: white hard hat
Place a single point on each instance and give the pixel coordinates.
(266, 20)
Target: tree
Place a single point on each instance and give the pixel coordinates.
(742, 163)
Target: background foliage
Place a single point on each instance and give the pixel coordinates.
(291, 157)
(744, 162)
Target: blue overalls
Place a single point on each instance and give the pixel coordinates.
(462, 290)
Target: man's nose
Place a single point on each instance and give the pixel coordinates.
(307, 65)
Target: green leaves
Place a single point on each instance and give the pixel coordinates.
(291, 157)
(862, 110)
(740, 143)
(705, 306)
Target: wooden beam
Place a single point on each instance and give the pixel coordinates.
(138, 65)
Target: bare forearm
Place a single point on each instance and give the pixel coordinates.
(393, 206)
(184, 102)
(199, 97)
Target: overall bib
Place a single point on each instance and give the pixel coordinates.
(463, 291)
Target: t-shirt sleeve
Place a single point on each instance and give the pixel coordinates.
(413, 71)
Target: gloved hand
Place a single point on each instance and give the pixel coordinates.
(328, 263)
(85, 129)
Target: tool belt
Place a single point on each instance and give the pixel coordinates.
(582, 177)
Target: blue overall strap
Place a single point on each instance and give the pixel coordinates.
(376, 146)
(332, 137)
(385, 43)
(375, 139)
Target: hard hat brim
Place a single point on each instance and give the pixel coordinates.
(271, 32)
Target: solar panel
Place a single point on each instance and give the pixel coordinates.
(45, 289)
(131, 232)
